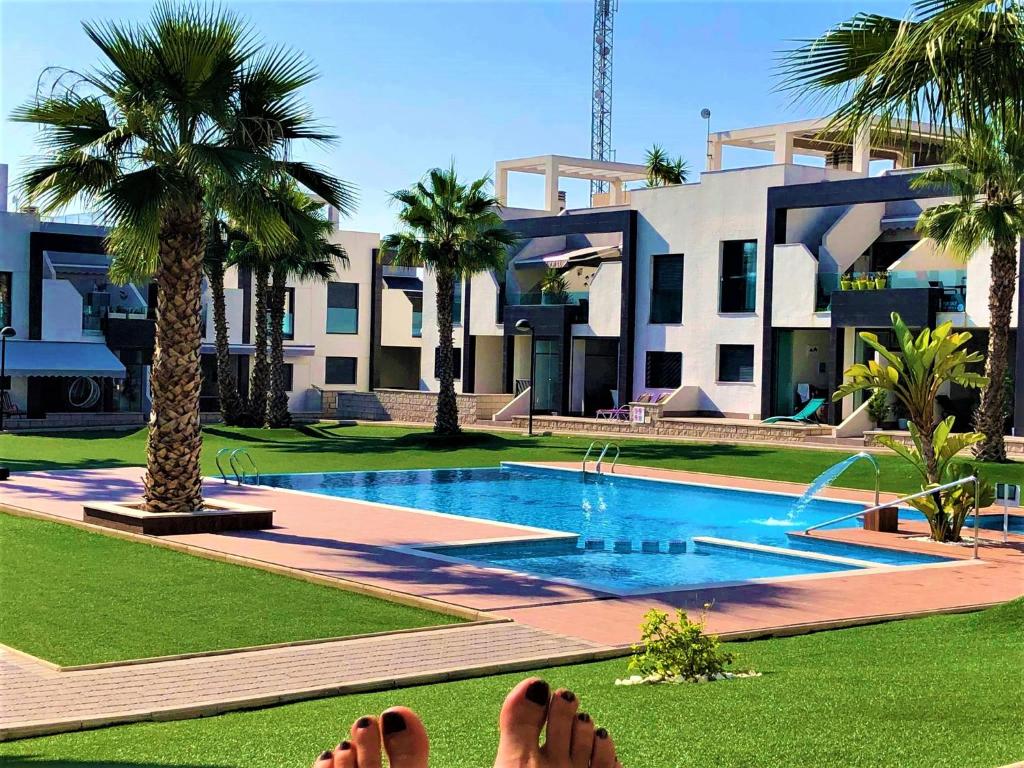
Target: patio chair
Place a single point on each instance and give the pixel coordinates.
(8, 405)
(804, 416)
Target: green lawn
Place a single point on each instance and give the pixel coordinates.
(327, 446)
(937, 692)
(75, 597)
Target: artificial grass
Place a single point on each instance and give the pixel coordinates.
(327, 446)
(75, 597)
(938, 692)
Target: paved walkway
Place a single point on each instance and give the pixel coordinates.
(356, 542)
(35, 699)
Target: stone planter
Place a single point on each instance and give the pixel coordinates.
(215, 517)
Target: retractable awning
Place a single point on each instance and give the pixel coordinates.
(559, 259)
(61, 358)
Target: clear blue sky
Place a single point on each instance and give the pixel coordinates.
(408, 86)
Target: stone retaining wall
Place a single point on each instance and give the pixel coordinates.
(696, 428)
(1014, 445)
(409, 405)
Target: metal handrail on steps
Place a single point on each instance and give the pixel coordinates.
(587, 455)
(223, 474)
(920, 494)
(600, 458)
(235, 462)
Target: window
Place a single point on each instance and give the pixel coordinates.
(456, 363)
(664, 370)
(417, 314)
(739, 276)
(5, 299)
(340, 370)
(288, 324)
(289, 381)
(736, 362)
(667, 289)
(457, 303)
(343, 307)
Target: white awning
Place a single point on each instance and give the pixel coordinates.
(559, 259)
(61, 358)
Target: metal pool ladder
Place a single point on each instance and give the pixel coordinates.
(235, 456)
(597, 465)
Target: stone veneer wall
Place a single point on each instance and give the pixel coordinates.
(409, 405)
(1014, 445)
(696, 428)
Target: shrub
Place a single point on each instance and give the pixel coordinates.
(678, 648)
(878, 407)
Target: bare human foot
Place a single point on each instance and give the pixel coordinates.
(571, 740)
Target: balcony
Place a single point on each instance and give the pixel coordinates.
(577, 302)
(868, 299)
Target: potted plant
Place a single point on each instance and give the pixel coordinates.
(878, 407)
(881, 280)
(118, 313)
(916, 372)
(862, 282)
(846, 283)
(136, 313)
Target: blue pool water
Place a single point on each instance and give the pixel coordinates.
(615, 509)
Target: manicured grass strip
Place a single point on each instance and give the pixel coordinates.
(75, 597)
(903, 694)
(330, 447)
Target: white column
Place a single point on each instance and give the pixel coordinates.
(551, 183)
(501, 184)
(714, 160)
(617, 197)
(783, 148)
(862, 151)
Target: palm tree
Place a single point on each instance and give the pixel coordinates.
(662, 170)
(453, 230)
(186, 100)
(311, 257)
(955, 63)
(987, 178)
(215, 262)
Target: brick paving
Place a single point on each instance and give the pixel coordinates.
(35, 699)
(355, 542)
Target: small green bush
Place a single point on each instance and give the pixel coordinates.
(878, 407)
(678, 648)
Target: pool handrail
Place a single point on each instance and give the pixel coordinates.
(240, 475)
(223, 474)
(601, 457)
(918, 495)
(587, 455)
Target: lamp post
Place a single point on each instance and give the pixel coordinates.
(706, 114)
(5, 333)
(523, 326)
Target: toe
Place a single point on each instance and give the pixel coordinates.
(582, 741)
(561, 715)
(405, 738)
(522, 718)
(326, 760)
(604, 750)
(345, 755)
(365, 740)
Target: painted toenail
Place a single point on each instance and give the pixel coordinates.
(345, 746)
(601, 733)
(568, 696)
(392, 722)
(326, 755)
(538, 692)
(583, 717)
(363, 722)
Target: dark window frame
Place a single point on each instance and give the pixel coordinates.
(7, 279)
(659, 291)
(289, 304)
(327, 371)
(659, 363)
(355, 294)
(289, 377)
(722, 348)
(457, 296)
(728, 284)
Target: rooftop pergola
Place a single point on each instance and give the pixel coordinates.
(809, 137)
(555, 167)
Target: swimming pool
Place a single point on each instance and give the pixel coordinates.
(622, 513)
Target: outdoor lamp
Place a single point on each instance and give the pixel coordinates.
(523, 326)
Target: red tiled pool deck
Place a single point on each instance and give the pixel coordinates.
(362, 544)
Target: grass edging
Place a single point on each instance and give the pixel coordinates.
(345, 585)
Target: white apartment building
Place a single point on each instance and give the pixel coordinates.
(739, 295)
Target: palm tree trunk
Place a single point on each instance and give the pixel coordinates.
(259, 380)
(232, 409)
(173, 481)
(446, 421)
(991, 416)
(277, 402)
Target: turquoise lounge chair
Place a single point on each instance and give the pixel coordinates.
(803, 416)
